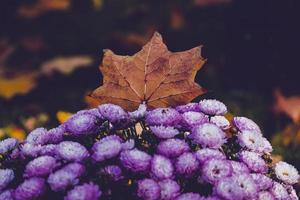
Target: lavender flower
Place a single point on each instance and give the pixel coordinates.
(188, 107)
(8, 145)
(204, 154)
(32, 188)
(169, 189)
(243, 123)
(164, 132)
(161, 167)
(292, 192)
(113, 113)
(286, 172)
(262, 181)
(148, 189)
(226, 189)
(214, 170)
(113, 172)
(279, 191)
(246, 185)
(220, 121)
(65, 177)
(41, 166)
(106, 148)
(212, 107)
(187, 164)
(48, 150)
(239, 167)
(6, 177)
(189, 196)
(254, 161)
(38, 136)
(265, 195)
(163, 116)
(208, 135)
(7, 195)
(172, 148)
(135, 160)
(84, 192)
(81, 124)
(93, 111)
(129, 144)
(72, 151)
(192, 118)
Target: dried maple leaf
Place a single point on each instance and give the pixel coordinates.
(287, 105)
(153, 75)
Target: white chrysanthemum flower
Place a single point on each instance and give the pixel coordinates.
(220, 121)
(254, 141)
(286, 172)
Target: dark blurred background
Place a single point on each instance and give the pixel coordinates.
(50, 51)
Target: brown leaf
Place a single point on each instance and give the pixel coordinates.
(287, 105)
(153, 75)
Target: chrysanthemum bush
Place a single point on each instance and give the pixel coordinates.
(191, 152)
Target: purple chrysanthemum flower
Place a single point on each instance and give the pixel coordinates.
(188, 107)
(211, 198)
(238, 167)
(286, 172)
(56, 134)
(7, 195)
(192, 118)
(84, 192)
(254, 161)
(38, 136)
(170, 189)
(208, 135)
(8, 145)
(6, 177)
(226, 189)
(113, 172)
(161, 167)
(81, 124)
(254, 141)
(262, 181)
(72, 151)
(246, 185)
(214, 170)
(139, 113)
(292, 192)
(30, 150)
(172, 148)
(113, 113)
(265, 195)
(48, 150)
(129, 144)
(135, 160)
(212, 107)
(204, 154)
(243, 123)
(164, 132)
(148, 189)
(279, 191)
(66, 176)
(189, 196)
(187, 164)
(106, 148)
(41, 166)
(163, 116)
(30, 189)
(220, 121)
(93, 111)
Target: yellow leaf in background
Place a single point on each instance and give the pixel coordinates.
(63, 116)
(229, 116)
(66, 65)
(97, 4)
(43, 6)
(20, 84)
(276, 158)
(2, 133)
(15, 132)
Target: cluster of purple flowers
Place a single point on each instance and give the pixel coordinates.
(191, 152)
